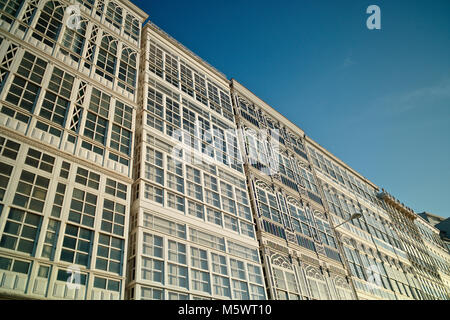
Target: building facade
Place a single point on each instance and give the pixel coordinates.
(192, 233)
(67, 106)
(418, 253)
(132, 169)
(300, 253)
(442, 224)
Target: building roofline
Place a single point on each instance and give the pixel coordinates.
(136, 9)
(433, 215)
(298, 130)
(271, 110)
(341, 162)
(150, 25)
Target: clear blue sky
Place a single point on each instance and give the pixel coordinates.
(379, 100)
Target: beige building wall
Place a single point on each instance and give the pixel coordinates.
(67, 105)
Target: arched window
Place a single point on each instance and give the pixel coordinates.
(49, 23)
(9, 9)
(114, 14)
(132, 27)
(285, 281)
(127, 70)
(73, 40)
(107, 58)
(316, 281)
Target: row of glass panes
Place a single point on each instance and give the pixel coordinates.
(24, 93)
(182, 76)
(293, 217)
(198, 210)
(199, 137)
(339, 174)
(116, 15)
(45, 272)
(215, 242)
(271, 158)
(170, 262)
(276, 131)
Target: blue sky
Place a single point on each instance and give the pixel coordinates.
(379, 100)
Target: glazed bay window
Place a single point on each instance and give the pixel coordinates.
(73, 40)
(211, 195)
(5, 174)
(9, 10)
(240, 290)
(114, 14)
(51, 238)
(175, 201)
(107, 58)
(243, 204)
(113, 218)
(200, 89)
(187, 80)
(221, 286)
(156, 59)
(154, 193)
(193, 185)
(254, 274)
(25, 87)
(121, 139)
(200, 281)
(31, 191)
(177, 275)
(83, 207)
(230, 223)
(227, 193)
(308, 180)
(237, 269)
(177, 252)
(116, 189)
(199, 258)
(40, 160)
(123, 115)
(49, 23)
(219, 264)
(127, 70)
(171, 70)
(106, 284)
(175, 179)
(58, 200)
(56, 100)
(77, 245)
(154, 166)
(132, 27)
(8, 148)
(152, 245)
(87, 178)
(152, 270)
(109, 254)
(173, 112)
(196, 210)
(269, 205)
(206, 239)
(95, 128)
(155, 122)
(100, 102)
(21, 231)
(247, 229)
(257, 292)
(155, 102)
(14, 265)
(214, 216)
